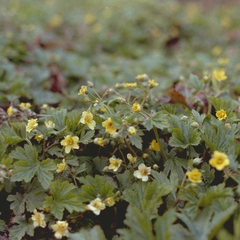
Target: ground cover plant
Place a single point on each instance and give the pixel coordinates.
(119, 120)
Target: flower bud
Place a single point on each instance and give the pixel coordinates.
(90, 84)
(115, 135)
(105, 141)
(184, 118)
(113, 143)
(105, 169)
(196, 161)
(195, 125)
(145, 155)
(3, 174)
(155, 167)
(228, 126)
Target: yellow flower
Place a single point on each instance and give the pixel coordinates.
(96, 206)
(99, 141)
(219, 160)
(38, 219)
(152, 83)
(221, 114)
(217, 50)
(45, 106)
(39, 137)
(50, 124)
(82, 90)
(60, 229)
(223, 61)
(110, 201)
(154, 146)
(87, 118)
(70, 143)
(136, 107)
(143, 172)
(145, 155)
(61, 166)
(131, 159)
(130, 85)
(32, 124)
(56, 21)
(11, 111)
(109, 126)
(219, 74)
(132, 131)
(89, 18)
(194, 176)
(142, 77)
(115, 163)
(25, 106)
(102, 109)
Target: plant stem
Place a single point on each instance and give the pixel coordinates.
(130, 148)
(158, 141)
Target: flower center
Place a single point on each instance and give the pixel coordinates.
(220, 160)
(61, 228)
(88, 119)
(69, 141)
(195, 177)
(144, 171)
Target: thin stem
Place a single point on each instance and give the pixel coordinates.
(158, 141)
(130, 148)
(29, 142)
(122, 154)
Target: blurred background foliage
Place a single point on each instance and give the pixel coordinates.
(50, 48)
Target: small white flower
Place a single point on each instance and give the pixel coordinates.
(96, 206)
(143, 172)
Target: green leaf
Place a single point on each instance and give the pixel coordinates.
(93, 187)
(59, 119)
(9, 135)
(139, 225)
(207, 173)
(19, 128)
(195, 83)
(160, 176)
(226, 104)
(175, 165)
(206, 224)
(198, 117)
(24, 170)
(213, 136)
(183, 134)
(55, 150)
(95, 233)
(41, 97)
(3, 145)
(213, 193)
(22, 227)
(160, 120)
(126, 179)
(148, 124)
(28, 166)
(164, 224)
(136, 141)
(28, 153)
(32, 198)
(62, 197)
(147, 197)
(191, 198)
(45, 176)
(72, 121)
(85, 139)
